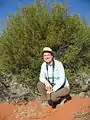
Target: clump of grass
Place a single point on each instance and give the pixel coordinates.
(82, 115)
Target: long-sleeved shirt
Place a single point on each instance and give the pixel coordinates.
(59, 74)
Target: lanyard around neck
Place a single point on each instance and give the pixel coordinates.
(53, 65)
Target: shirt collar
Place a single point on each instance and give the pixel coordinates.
(51, 63)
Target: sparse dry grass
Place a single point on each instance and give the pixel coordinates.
(82, 115)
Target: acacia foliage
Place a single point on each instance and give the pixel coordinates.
(35, 27)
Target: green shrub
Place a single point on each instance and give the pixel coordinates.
(35, 27)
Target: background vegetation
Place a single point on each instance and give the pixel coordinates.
(36, 26)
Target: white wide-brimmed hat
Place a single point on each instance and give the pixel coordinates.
(47, 49)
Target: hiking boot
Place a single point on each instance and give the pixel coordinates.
(68, 98)
(63, 101)
(52, 103)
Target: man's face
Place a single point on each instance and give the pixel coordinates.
(47, 57)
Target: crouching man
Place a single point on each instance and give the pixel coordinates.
(53, 85)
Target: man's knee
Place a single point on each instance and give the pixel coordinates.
(40, 85)
(64, 91)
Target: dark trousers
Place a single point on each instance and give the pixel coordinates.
(54, 96)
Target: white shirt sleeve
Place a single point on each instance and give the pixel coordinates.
(42, 73)
(61, 79)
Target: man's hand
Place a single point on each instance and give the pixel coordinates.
(48, 87)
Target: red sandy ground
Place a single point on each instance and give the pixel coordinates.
(34, 111)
